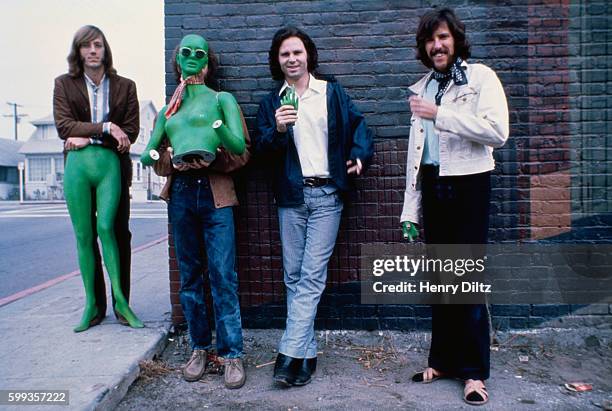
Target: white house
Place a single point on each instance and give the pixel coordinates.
(44, 160)
(145, 182)
(9, 161)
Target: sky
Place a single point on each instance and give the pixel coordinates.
(35, 38)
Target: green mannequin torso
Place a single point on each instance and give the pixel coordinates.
(190, 129)
(205, 118)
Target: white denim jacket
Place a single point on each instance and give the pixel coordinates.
(472, 119)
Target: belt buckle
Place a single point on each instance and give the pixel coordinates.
(310, 181)
(315, 181)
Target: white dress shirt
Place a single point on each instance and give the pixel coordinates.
(310, 130)
(98, 104)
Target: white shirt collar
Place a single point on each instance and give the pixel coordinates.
(317, 85)
(314, 84)
(91, 82)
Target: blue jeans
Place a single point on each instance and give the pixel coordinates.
(196, 222)
(308, 235)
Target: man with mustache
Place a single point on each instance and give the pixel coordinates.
(459, 114)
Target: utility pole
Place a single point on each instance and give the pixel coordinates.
(15, 115)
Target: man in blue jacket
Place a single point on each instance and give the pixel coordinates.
(320, 140)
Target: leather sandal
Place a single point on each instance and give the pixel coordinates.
(475, 392)
(427, 376)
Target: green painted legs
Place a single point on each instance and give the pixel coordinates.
(79, 207)
(96, 168)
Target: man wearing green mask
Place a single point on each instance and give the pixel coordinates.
(93, 106)
(206, 131)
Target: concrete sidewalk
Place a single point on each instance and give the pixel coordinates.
(357, 369)
(41, 352)
(372, 370)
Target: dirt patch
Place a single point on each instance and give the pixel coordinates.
(372, 370)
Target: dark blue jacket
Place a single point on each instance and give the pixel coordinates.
(348, 139)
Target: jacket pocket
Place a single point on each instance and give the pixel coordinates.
(459, 148)
(178, 186)
(466, 100)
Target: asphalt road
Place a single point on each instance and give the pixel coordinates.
(37, 243)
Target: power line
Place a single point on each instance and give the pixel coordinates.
(16, 116)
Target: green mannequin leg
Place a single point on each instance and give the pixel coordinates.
(108, 191)
(77, 191)
(95, 168)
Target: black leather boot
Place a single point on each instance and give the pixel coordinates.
(305, 371)
(285, 369)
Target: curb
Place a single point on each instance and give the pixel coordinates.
(49, 283)
(111, 397)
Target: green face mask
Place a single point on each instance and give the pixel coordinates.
(192, 55)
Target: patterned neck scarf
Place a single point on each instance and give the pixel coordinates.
(177, 97)
(456, 73)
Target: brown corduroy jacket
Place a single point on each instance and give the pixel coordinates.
(73, 119)
(221, 183)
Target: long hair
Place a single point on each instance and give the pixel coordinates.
(81, 38)
(213, 65)
(430, 22)
(282, 35)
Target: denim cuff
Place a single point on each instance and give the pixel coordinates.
(310, 352)
(201, 347)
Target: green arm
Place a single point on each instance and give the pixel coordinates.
(230, 133)
(156, 138)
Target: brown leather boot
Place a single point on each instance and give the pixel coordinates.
(195, 367)
(234, 375)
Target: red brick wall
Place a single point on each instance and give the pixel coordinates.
(547, 152)
(553, 175)
(371, 214)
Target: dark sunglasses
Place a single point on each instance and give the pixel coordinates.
(199, 53)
